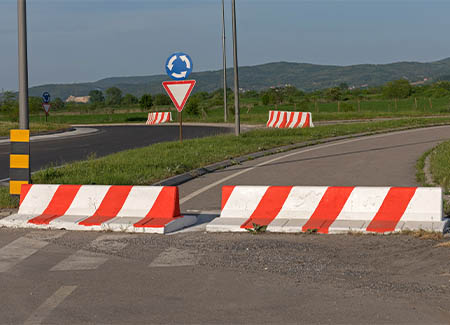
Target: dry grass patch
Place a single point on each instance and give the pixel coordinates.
(444, 244)
(423, 234)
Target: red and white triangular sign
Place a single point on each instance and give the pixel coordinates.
(46, 107)
(179, 91)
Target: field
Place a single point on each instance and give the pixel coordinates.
(35, 127)
(253, 112)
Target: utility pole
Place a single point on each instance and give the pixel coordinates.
(236, 74)
(23, 65)
(225, 110)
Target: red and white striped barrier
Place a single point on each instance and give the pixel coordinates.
(282, 120)
(158, 118)
(329, 209)
(149, 209)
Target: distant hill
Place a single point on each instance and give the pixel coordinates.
(307, 77)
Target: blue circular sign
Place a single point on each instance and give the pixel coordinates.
(46, 97)
(179, 66)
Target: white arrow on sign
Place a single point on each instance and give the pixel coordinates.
(186, 60)
(171, 61)
(180, 75)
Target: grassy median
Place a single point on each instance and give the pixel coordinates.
(35, 127)
(147, 165)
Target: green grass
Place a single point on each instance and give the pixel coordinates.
(34, 127)
(147, 165)
(6, 200)
(420, 169)
(440, 165)
(252, 112)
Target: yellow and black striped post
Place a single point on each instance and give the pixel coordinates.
(19, 160)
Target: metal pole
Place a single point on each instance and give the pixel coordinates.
(236, 75)
(225, 110)
(23, 65)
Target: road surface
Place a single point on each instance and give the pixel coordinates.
(58, 277)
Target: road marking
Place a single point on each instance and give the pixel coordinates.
(24, 247)
(223, 180)
(42, 312)
(173, 257)
(81, 261)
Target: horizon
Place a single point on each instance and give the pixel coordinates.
(64, 46)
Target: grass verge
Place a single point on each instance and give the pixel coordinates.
(440, 165)
(35, 127)
(148, 165)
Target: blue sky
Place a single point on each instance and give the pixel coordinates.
(86, 40)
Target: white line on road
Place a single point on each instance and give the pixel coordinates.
(208, 187)
(80, 261)
(42, 312)
(24, 247)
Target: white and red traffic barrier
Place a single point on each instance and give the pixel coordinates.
(282, 120)
(329, 209)
(158, 118)
(150, 209)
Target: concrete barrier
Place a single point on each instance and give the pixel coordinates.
(281, 119)
(150, 209)
(329, 209)
(158, 118)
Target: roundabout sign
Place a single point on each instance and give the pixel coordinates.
(179, 66)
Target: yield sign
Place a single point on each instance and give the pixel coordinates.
(179, 91)
(46, 107)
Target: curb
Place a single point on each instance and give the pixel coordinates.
(188, 176)
(45, 133)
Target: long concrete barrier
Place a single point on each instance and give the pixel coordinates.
(282, 119)
(329, 209)
(149, 209)
(158, 118)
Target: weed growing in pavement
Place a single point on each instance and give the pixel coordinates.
(313, 231)
(256, 229)
(422, 234)
(444, 244)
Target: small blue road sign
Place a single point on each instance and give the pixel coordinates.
(179, 66)
(46, 97)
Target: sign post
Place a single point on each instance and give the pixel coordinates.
(178, 67)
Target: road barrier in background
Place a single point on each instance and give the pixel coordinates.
(149, 209)
(158, 118)
(329, 209)
(19, 160)
(282, 120)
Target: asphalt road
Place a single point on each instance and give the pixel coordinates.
(382, 160)
(60, 277)
(108, 140)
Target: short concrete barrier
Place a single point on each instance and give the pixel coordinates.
(329, 209)
(281, 119)
(158, 118)
(150, 209)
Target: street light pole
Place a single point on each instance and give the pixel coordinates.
(225, 113)
(236, 74)
(23, 65)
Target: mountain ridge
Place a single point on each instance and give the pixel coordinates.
(305, 76)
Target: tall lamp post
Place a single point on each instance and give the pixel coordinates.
(237, 130)
(225, 113)
(23, 65)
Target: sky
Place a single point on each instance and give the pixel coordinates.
(87, 40)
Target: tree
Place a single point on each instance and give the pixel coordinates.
(35, 104)
(129, 99)
(58, 103)
(96, 97)
(333, 93)
(146, 101)
(343, 86)
(161, 99)
(397, 89)
(192, 106)
(113, 96)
